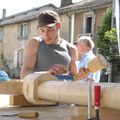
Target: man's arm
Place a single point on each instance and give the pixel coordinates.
(29, 57)
(74, 57)
(82, 73)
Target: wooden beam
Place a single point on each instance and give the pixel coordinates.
(19, 100)
(14, 88)
(11, 87)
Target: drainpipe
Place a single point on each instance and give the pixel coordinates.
(113, 13)
(71, 27)
(94, 25)
(69, 17)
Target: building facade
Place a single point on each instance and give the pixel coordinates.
(82, 18)
(15, 30)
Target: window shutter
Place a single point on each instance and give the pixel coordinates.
(15, 58)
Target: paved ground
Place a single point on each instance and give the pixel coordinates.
(61, 112)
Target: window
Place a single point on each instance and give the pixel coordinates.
(20, 57)
(88, 25)
(1, 35)
(23, 30)
(88, 22)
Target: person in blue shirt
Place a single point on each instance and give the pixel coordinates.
(4, 76)
(85, 48)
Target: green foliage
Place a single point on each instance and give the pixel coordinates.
(107, 38)
(111, 36)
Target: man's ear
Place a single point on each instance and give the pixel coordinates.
(59, 25)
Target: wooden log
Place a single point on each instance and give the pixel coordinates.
(60, 91)
(31, 83)
(77, 93)
(72, 92)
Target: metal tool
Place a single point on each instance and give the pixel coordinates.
(66, 77)
(97, 93)
(23, 115)
(90, 99)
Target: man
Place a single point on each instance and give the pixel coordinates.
(85, 48)
(49, 52)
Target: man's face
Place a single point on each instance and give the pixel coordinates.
(82, 48)
(50, 34)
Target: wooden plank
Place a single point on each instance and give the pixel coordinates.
(15, 89)
(19, 100)
(11, 87)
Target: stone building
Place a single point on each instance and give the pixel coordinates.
(15, 30)
(82, 18)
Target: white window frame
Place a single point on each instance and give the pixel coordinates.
(23, 30)
(86, 15)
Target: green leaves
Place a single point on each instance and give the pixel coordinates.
(107, 38)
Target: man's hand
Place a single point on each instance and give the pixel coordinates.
(82, 73)
(58, 69)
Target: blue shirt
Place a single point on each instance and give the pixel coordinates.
(84, 62)
(4, 76)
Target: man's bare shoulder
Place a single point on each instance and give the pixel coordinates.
(32, 44)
